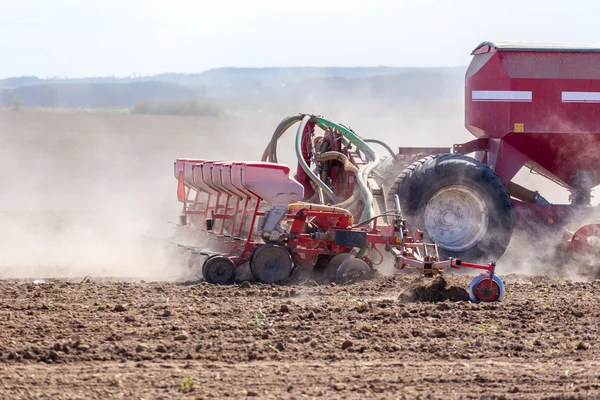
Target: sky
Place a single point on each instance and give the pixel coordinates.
(82, 38)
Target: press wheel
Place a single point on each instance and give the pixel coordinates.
(271, 263)
(219, 270)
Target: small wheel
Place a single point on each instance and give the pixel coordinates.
(271, 263)
(300, 276)
(330, 270)
(353, 270)
(219, 270)
(482, 289)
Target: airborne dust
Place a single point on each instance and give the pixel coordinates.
(84, 193)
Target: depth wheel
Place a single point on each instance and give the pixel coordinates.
(482, 289)
(353, 270)
(219, 270)
(330, 270)
(271, 263)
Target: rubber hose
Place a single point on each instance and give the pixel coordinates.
(383, 144)
(303, 164)
(364, 171)
(273, 146)
(270, 153)
(348, 166)
(337, 156)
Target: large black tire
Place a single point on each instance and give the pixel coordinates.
(471, 216)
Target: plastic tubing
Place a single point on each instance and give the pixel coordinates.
(364, 171)
(337, 156)
(383, 144)
(303, 164)
(270, 153)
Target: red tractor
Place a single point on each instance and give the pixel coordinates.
(532, 105)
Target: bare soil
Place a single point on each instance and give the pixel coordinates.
(79, 188)
(139, 340)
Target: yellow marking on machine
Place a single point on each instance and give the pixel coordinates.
(519, 127)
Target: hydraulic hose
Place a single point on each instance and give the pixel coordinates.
(348, 166)
(362, 174)
(270, 153)
(304, 165)
(337, 156)
(365, 170)
(383, 144)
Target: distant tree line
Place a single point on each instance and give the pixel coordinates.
(190, 107)
(171, 93)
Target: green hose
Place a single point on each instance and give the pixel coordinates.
(270, 154)
(364, 171)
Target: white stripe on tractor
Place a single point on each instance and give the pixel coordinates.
(501, 95)
(581, 97)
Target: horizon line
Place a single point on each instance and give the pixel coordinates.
(138, 76)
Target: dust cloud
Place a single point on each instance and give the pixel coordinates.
(88, 193)
(92, 193)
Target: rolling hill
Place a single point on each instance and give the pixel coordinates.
(235, 84)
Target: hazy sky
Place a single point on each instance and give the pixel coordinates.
(74, 38)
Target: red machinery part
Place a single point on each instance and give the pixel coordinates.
(486, 288)
(234, 185)
(579, 243)
(539, 100)
(532, 105)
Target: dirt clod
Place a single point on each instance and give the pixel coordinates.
(161, 349)
(433, 291)
(339, 387)
(53, 355)
(140, 347)
(583, 346)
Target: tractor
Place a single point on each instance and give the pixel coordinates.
(529, 105)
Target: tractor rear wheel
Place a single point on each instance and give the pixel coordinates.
(459, 203)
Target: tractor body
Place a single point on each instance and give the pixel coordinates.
(528, 105)
(537, 105)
